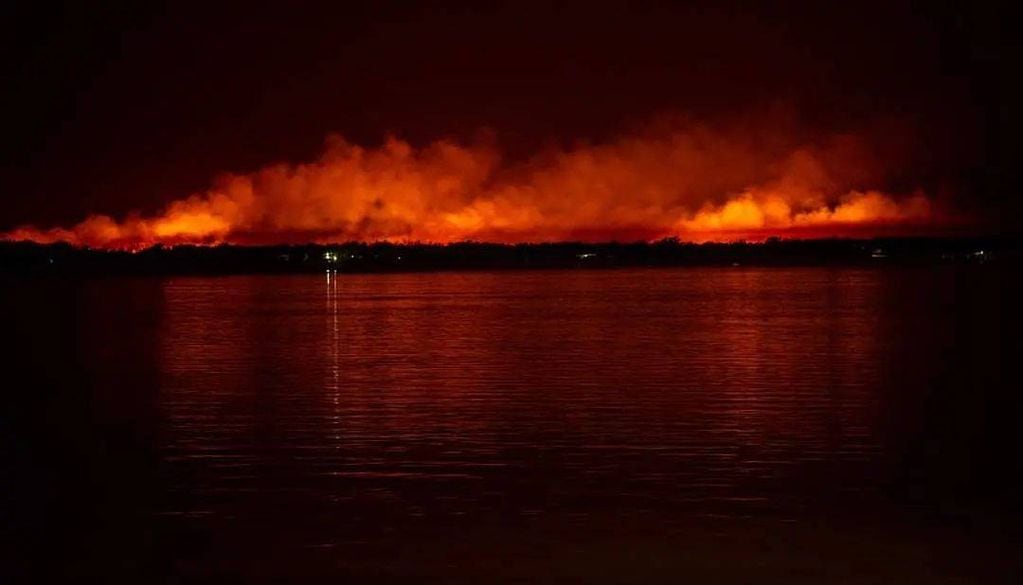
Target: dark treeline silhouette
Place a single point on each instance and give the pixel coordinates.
(29, 258)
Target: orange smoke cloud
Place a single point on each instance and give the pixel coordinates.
(689, 181)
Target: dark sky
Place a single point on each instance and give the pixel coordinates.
(108, 108)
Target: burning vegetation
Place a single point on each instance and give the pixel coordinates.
(674, 179)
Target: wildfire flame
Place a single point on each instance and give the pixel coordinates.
(692, 182)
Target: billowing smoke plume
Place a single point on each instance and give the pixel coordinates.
(671, 179)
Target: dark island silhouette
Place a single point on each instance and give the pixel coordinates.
(358, 257)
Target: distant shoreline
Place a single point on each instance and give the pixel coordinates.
(24, 258)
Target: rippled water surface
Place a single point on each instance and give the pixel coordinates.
(481, 424)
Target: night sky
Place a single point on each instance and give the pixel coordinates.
(121, 107)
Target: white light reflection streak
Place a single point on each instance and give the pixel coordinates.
(334, 383)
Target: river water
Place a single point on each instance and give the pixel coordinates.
(726, 424)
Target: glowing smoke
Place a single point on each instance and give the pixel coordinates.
(676, 179)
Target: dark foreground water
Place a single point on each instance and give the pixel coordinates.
(728, 425)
